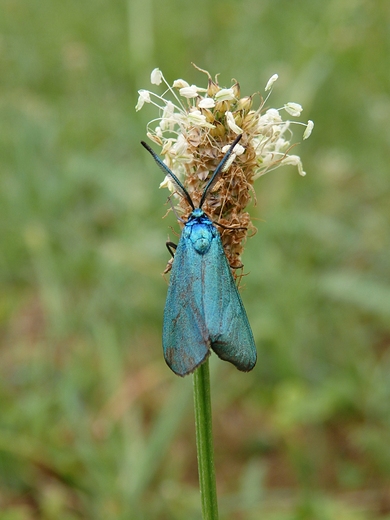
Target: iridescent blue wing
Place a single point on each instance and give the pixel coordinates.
(226, 320)
(185, 337)
(204, 309)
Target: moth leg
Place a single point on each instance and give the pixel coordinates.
(229, 227)
(171, 247)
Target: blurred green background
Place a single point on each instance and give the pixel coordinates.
(93, 425)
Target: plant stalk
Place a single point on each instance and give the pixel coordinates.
(204, 442)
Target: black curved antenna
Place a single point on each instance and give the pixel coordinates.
(218, 170)
(213, 179)
(166, 170)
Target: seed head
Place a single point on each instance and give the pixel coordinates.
(196, 126)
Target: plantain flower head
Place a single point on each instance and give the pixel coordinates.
(195, 127)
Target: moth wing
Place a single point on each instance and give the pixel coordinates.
(226, 319)
(185, 337)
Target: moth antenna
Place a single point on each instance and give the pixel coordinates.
(169, 172)
(218, 170)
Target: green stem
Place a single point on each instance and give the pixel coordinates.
(204, 442)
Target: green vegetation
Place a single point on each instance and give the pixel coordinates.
(93, 425)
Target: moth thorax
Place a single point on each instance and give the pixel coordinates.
(201, 236)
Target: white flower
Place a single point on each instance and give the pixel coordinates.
(156, 76)
(169, 110)
(144, 97)
(232, 124)
(166, 146)
(271, 116)
(294, 160)
(269, 122)
(196, 118)
(206, 103)
(168, 183)
(281, 144)
(268, 159)
(191, 91)
(155, 138)
(294, 109)
(177, 154)
(271, 81)
(183, 126)
(309, 129)
(168, 120)
(180, 83)
(181, 145)
(225, 94)
(238, 149)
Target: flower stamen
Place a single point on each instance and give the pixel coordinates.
(194, 135)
